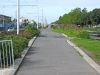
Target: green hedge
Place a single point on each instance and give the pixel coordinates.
(30, 31)
(21, 41)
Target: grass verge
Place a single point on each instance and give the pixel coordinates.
(91, 47)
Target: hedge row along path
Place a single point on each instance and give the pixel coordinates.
(52, 55)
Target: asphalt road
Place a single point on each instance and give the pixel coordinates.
(52, 55)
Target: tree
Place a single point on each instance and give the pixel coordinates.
(82, 17)
(95, 16)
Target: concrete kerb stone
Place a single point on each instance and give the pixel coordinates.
(18, 62)
(84, 55)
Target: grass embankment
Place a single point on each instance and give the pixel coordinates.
(91, 47)
(70, 33)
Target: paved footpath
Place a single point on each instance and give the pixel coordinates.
(52, 55)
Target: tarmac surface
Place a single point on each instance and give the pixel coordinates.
(52, 55)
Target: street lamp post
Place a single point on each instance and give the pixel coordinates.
(18, 15)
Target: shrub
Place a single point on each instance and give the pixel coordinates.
(84, 35)
(19, 44)
(30, 31)
(20, 41)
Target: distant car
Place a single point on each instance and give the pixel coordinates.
(10, 29)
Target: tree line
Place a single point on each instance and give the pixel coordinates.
(81, 17)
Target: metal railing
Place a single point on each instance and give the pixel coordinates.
(6, 54)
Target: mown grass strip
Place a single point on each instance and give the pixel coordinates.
(91, 47)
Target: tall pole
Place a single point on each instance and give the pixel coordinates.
(38, 19)
(37, 14)
(18, 15)
(3, 18)
(42, 18)
(38, 23)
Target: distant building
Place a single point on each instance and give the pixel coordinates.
(23, 21)
(5, 19)
(5, 23)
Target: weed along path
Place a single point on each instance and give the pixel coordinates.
(52, 55)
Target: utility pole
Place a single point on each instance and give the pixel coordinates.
(3, 21)
(38, 19)
(18, 15)
(42, 17)
(37, 14)
(3, 17)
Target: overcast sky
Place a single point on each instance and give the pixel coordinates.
(52, 9)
